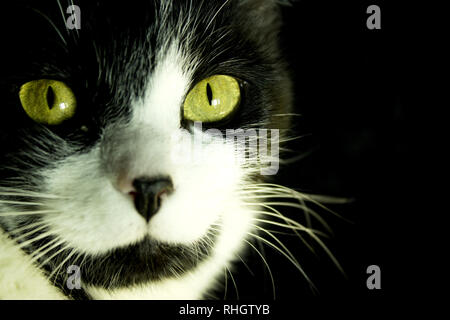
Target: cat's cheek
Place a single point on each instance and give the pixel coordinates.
(89, 214)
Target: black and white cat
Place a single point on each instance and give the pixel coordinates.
(96, 127)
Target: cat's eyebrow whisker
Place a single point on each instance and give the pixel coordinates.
(62, 14)
(215, 15)
(53, 25)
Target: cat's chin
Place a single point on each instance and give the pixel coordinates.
(146, 261)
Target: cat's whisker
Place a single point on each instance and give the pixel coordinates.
(291, 227)
(30, 195)
(59, 243)
(308, 225)
(38, 237)
(215, 15)
(25, 227)
(226, 284)
(245, 264)
(56, 270)
(317, 199)
(294, 228)
(62, 14)
(270, 196)
(307, 213)
(301, 197)
(20, 203)
(273, 191)
(295, 158)
(53, 25)
(234, 282)
(313, 233)
(76, 263)
(29, 233)
(286, 255)
(52, 244)
(277, 214)
(266, 264)
(286, 250)
(26, 213)
(287, 115)
(269, 205)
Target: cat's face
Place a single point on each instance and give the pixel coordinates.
(114, 187)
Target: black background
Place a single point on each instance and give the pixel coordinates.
(353, 91)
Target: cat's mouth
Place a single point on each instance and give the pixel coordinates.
(139, 263)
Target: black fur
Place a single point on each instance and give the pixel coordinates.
(107, 63)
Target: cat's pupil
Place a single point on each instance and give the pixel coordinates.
(50, 97)
(209, 93)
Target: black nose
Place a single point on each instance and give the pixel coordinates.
(148, 194)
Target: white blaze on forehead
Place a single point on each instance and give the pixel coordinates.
(167, 87)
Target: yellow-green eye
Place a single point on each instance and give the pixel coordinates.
(212, 99)
(48, 101)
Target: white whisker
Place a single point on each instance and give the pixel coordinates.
(267, 266)
(26, 213)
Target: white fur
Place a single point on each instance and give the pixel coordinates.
(19, 279)
(95, 213)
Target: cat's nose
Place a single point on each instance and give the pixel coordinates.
(148, 193)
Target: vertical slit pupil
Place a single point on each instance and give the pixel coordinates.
(50, 97)
(209, 93)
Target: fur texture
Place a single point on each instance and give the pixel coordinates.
(64, 191)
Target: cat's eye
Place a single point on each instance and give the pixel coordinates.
(213, 99)
(47, 101)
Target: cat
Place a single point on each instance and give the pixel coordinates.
(94, 122)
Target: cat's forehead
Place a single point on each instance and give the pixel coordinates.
(143, 53)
